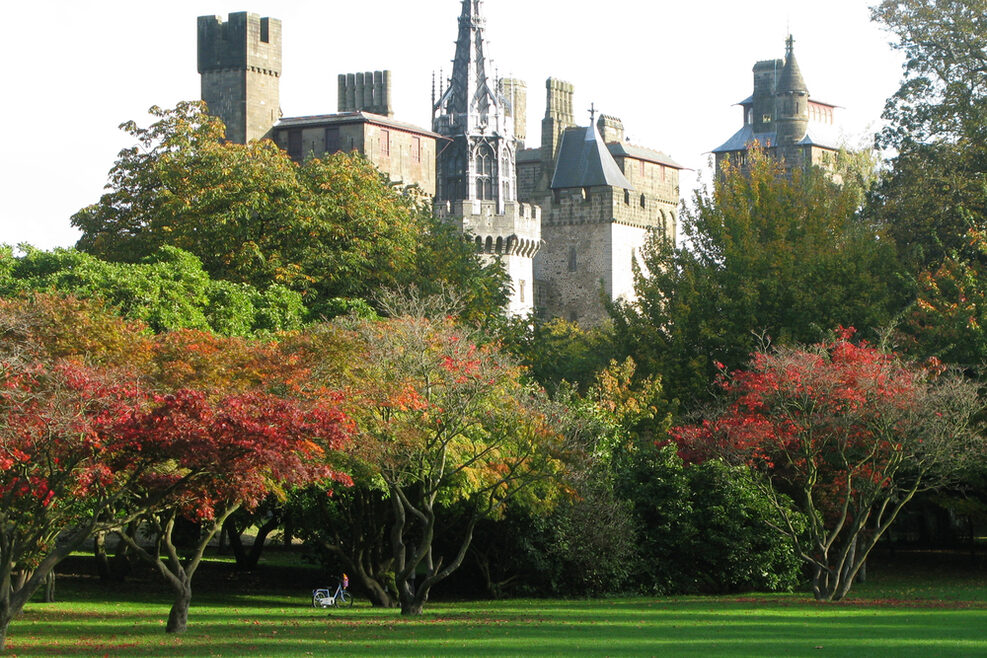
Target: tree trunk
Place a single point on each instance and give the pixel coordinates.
(50, 587)
(413, 608)
(6, 616)
(99, 555)
(178, 617)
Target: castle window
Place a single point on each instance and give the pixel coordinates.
(766, 118)
(385, 143)
(485, 164)
(295, 144)
(332, 139)
(521, 289)
(627, 197)
(573, 260)
(644, 203)
(416, 149)
(640, 167)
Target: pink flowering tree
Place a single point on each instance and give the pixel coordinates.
(847, 431)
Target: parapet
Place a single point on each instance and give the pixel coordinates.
(611, 128)
(244, 41)
(366, 92)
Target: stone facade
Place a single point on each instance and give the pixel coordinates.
(404, 152)
(783, 119)
(593, 230)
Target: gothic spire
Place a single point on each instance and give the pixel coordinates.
(471, 91)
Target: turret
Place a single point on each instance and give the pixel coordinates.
(791, 100)
(240, 64)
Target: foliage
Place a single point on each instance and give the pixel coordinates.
(950, 314)
(328, 228)
(703, 528)
(850, 433)
(167, 290)
(767, 255)
(943, 95)
(559, 351)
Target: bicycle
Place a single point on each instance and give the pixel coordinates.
(322, 598)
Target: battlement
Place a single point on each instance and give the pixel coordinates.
(520, 221)
(611, 128)
(366, 92)
(243, 41)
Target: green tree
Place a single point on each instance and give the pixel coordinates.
(765, 255)
(168, 290)
(329, 228)
(934, 190)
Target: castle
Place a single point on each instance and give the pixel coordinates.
(566, 219)
(783, 119)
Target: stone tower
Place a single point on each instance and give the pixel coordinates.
(240, 65)
(476, 176)
(783, 119)
(515, 92)
(558, 118)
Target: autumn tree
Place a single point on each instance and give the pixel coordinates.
(848, 432)
(62, 467)
(764, 253)
(226, 454)
(442, 419)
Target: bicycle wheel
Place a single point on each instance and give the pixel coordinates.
(344, 600)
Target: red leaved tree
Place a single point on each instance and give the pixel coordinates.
(850, 433)
(222, 455)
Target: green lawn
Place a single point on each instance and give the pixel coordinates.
(893, 614)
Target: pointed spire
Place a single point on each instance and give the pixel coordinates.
(791, 77)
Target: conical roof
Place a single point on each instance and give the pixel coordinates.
(791, 76)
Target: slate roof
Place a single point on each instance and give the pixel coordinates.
(816, 136)
(353, 117)
(585, 161)
(625, 150)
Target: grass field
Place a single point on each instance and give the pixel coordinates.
(897, 614)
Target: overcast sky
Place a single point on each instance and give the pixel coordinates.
(671, 70)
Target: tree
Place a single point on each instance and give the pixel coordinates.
(442, 419)
(765, 254)
(168, 290)
(943, 96)
(328, 228)
(949, 318)
(62, 468)
(937, 122)
(850, 433)
(227, 454)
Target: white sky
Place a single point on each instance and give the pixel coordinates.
(671, 70)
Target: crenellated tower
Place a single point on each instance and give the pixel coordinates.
(240, 65)
(476, 169)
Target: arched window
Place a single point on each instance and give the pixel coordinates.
(485, 173)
